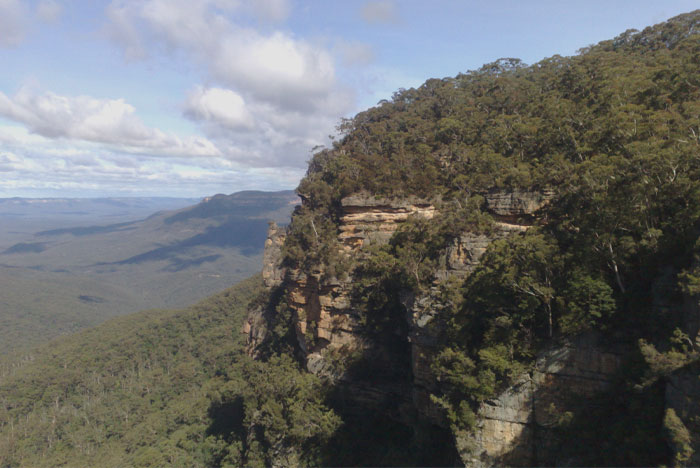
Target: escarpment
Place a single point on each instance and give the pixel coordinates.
(517, 427)
(500, 268)
(513, 427)
(366, 219)
(323, 309)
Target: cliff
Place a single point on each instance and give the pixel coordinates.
(513, 428)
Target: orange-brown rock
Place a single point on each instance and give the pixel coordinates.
(366, 219)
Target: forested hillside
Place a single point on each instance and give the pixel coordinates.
(500, 268)
(159, 388)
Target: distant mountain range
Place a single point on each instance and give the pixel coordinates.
(65, 277)
(89, 208)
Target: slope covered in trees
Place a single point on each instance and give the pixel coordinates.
(159, 388)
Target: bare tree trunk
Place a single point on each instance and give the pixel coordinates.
(313, 226)
(615, 269)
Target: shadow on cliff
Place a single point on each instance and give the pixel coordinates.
(381, 426)
(619, 426)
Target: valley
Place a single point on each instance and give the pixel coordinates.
(58, 277)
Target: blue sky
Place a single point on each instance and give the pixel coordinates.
(196, 97)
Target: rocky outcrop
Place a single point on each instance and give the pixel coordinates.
(367, 220)
(322, 305)
(516, 203)
(272, 271)
(465, 252)
(513, 428)
(255, 327)
(323, 317)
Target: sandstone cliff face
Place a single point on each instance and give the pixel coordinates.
(517, 203)
(512, 427)
(366, 220)
(324, 319)
(256, 326)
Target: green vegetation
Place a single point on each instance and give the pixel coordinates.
(161, 388)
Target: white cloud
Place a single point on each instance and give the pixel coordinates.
(276, 137)
(271, 96)
(13, 22)
(34, 165)
(380, 12)
(49, 11)
(221, 106)
(276, 68)
(107, 121)
(10, 162)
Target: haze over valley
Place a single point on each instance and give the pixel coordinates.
(69, 264)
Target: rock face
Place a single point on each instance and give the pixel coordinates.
(255, 327)
(324, 318)
(517, 203)
(513, 427)
(272, 271)
(322, 306)
(367, 220)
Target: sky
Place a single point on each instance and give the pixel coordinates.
(188, 98)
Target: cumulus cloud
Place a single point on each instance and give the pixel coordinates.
(380, 12)
(13, 22)
(260, 134)
(275, 67)
(109, 121)
(49, 11)
(272, 97)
